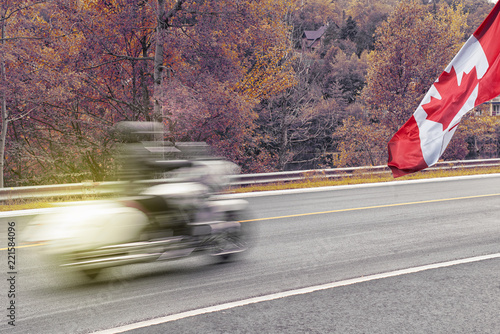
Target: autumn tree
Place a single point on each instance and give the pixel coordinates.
(232, 57)
(362, 17)
(476, 137)
(311, 15)
(28, 80)
(477, 11)
(413, 47)
(113, 49)
(14, 29)
(100, 69)
(297, 123)
(343, 74)
(359, 143)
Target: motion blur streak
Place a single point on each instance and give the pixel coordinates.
(26, 246)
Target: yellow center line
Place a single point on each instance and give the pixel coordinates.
(335, 211)
(370, 207)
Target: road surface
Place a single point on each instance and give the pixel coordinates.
(346, 260)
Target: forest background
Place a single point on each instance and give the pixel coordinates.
(232, 73)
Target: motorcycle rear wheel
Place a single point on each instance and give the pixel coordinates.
(91, 273)
(231, 244)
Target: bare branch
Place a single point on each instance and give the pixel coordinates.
(2, 40)
(102, 64)
(18, 117)
(177, 7)
(129, 57)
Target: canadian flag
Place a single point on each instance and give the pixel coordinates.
(472, 78)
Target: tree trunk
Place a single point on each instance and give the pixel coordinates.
(158, 62)
(3, 101)
(283, 140)
(3, 137)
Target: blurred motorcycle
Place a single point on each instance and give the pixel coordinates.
(176, 218)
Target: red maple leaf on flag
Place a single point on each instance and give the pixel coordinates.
(453, 96)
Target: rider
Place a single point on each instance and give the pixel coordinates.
(196, 171)
(142, 159)
(133, 156)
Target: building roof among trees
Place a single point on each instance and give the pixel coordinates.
(313, 35)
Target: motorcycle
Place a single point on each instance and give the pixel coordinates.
(174, 219)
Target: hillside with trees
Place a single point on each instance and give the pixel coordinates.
(271, 85)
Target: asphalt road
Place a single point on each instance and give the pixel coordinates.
(302, 240)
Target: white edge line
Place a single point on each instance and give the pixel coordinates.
(295, 292)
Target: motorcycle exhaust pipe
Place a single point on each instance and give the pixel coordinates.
(117, 255)
(129, 259)
(123, 249)
(112, 261)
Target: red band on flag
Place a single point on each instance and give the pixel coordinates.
(488, 34)
(406, 142)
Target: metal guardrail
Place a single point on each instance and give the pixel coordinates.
(336, 173)
(103, 188)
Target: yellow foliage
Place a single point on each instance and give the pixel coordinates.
(269, 72)
(361, 143)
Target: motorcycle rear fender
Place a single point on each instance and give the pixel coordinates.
(86, 227)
